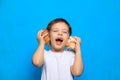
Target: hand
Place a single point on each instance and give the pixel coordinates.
(77, 43)
(40, 37)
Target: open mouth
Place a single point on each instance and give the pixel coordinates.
(59, 41)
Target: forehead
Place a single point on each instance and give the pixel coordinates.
(60, 25)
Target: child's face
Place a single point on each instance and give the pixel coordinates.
(59, 34)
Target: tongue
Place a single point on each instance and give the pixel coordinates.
(58, 42)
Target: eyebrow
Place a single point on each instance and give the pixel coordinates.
(54, 28)
(65, 30)
(62, 29)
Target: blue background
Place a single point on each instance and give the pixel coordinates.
(97, 22)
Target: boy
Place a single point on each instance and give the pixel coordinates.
(57, 63)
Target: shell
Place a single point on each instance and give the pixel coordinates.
(46, 38)
(70, 44)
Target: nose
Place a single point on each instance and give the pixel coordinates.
(59, 33)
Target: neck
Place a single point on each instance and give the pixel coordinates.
(57, 50)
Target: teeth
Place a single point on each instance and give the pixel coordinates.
(59, 40)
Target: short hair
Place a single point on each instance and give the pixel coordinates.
(59, 20)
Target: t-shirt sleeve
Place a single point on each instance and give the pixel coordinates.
(72, 58)
(45, 54)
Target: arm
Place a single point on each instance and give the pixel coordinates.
(77, 66)
(38, 56)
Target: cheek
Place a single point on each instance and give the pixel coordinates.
(52, 36)
(66, 38)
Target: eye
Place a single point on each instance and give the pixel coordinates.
(55, 30)
(65, 32)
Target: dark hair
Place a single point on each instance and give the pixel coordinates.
(59, 20)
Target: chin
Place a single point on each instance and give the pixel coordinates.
(59, 48)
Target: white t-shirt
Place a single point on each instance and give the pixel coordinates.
(57, 65)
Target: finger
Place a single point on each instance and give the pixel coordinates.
(45, 34)
(76, 38)
(79, 40)
(40, 33)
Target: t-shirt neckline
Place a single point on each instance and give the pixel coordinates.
(57, 52)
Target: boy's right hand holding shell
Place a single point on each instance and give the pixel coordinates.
(43, 37)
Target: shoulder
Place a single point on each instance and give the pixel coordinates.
(46, 52)
(70, 53)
